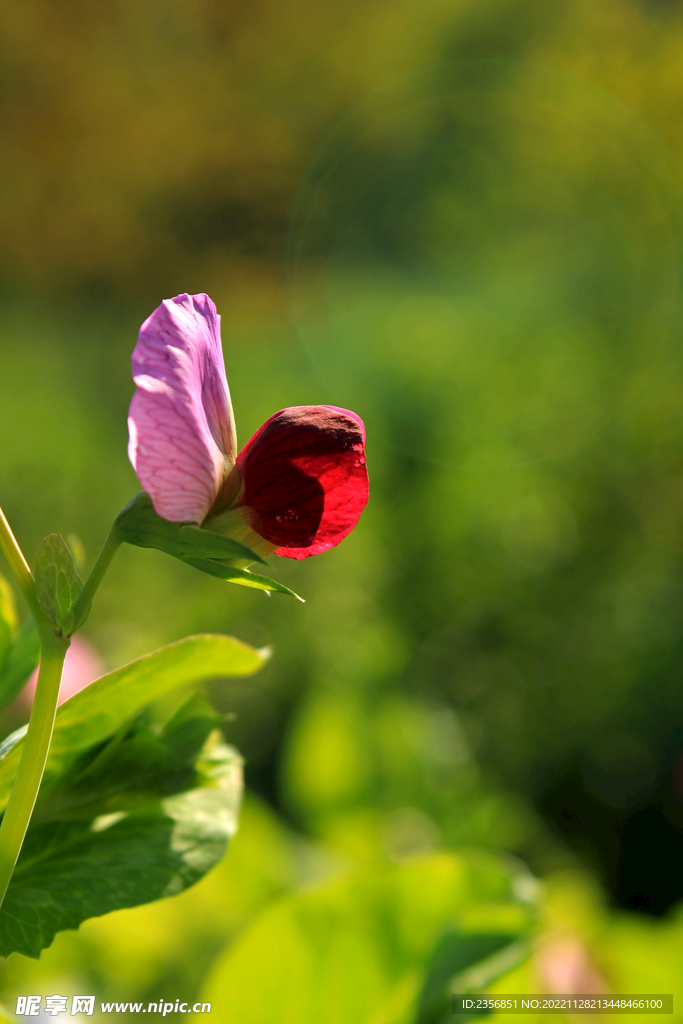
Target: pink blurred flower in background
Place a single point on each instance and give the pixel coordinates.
(297, 487)
(82, 666)
(564, 967)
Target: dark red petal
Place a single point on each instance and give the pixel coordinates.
(304, 478)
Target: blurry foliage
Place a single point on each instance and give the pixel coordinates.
(389, 778)
(151, 145)
(483, 260)
(174, 127)
(583, 947)
(387, 931)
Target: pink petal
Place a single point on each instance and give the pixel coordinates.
(182, 431)
(304, 478)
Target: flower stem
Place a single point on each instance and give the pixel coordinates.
(109, 549)
(34, 755)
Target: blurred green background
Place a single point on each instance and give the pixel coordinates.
(461, 220)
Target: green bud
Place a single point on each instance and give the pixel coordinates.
(57, 583)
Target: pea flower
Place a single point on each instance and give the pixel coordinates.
(297, 487)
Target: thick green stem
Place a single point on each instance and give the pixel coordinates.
(109, 549)
(34, 755)
(53, 648)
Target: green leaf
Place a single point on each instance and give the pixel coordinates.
(138, 524)
(57, 582)
(123, 844)
(243, 577)
(121, 773)
(12, 740)
(99, 711)
(454, 953)
(137, 762)
(127, 812)
(20, 662)
(8, 620)
(212, 553)
(378, 929)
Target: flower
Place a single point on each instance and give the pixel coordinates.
(297, 487)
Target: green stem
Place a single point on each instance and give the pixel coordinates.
(53, 648)
(109, 549)
(19, 566)
(33, 756)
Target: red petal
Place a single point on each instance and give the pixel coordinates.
(304, 478)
